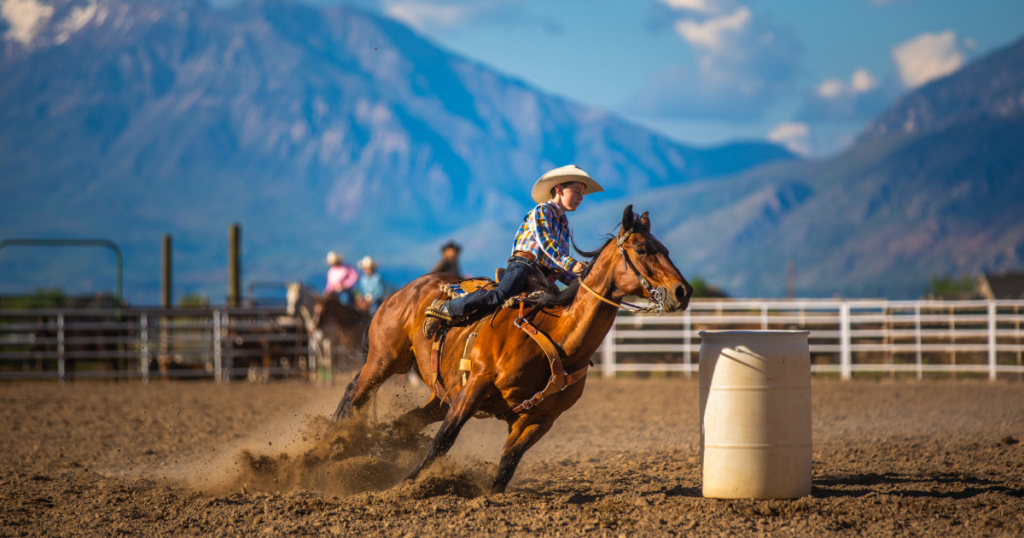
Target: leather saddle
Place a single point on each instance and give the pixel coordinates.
(536, 281)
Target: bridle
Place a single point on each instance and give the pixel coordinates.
(656, 295)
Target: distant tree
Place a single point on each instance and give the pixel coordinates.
(950, 288)
(41, 298)
(194, 300)
(702, 289)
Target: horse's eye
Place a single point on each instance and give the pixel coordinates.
(640, 252)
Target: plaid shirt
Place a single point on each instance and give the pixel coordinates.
(545, 234)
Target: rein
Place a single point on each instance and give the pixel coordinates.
(656, 295)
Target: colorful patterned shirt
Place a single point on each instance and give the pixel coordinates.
(545, 234)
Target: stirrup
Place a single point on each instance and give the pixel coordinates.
(437, 317)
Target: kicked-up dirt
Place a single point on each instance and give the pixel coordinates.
(193, 458)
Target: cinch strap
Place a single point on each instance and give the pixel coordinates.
(558, 381)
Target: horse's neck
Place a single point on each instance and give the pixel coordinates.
(586, 322)
(308, 298)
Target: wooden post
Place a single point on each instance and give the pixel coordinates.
(166, 301)
(234, 264)
(165, 274)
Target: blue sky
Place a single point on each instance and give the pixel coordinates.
(805, 73)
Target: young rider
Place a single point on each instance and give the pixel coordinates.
(542, 239)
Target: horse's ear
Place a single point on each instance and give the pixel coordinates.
(645, 222)
(627, 218)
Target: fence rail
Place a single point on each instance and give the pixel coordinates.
(218, 343)
(847, 338)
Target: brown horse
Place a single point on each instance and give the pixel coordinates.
(343, 326)
(508, 367)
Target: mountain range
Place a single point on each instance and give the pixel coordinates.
(335, 129)
(315, 128)
(934, 186)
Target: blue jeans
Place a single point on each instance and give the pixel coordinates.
(511, 284)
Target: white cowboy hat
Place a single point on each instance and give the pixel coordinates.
(542, 188)
(367, 262)
(334, 257)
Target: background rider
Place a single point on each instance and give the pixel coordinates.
(341, 277)
(371, 287)
(449, 262)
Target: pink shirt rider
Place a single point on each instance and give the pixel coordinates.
(341, 277)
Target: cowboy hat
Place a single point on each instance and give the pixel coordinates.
(367, 262)
(451, 244)
(334, 257)
(542, 188)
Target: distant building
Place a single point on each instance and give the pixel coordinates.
(1004, 285)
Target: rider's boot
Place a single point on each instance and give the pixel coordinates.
(439, 315)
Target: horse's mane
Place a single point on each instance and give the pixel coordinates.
(563, 298)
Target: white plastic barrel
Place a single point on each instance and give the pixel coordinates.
(755, 414)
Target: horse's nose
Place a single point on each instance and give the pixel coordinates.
(678, 298)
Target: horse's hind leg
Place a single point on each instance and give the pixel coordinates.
(523, 434)
(377, 369)
(465, 405)
(345, 405)
(417, 419)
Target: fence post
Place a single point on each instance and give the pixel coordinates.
(60, 346)
(991, 340)
(229, 362)
(687, 344)
(917, 339)
(144, 355)
(218, 372)
(312, 347)
(764, 316)
(845, 361)
(608, 353)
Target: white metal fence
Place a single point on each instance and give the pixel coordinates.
(848, 338)
(219, 343)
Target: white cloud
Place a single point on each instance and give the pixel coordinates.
(795, 137)
(830, 88)
(860, 97)
(448, 15)
(862, 81)
(79, 17)
(928, 57)
(708, 7)
(25, 18)
(423, 14)
(717, 33)
(744, 65)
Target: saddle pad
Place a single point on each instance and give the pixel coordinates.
(463, 287)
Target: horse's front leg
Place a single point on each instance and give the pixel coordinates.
(523, 434)
(466, 403)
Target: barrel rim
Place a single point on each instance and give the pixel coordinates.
(755, 333)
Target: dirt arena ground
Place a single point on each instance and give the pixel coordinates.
(935, 458)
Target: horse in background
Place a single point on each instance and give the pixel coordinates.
(335, 330)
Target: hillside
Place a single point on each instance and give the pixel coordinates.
(315, 128)
(901, 206)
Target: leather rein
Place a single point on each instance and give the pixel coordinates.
(657, 295)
